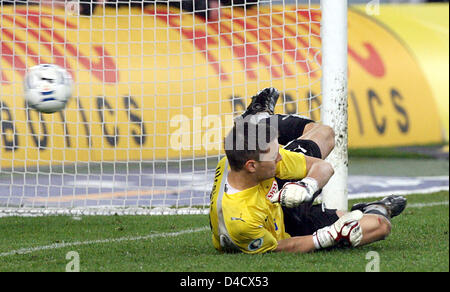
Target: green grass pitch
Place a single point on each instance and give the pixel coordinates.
(419, 242)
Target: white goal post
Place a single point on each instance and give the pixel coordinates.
(334, 91)
(156, 89)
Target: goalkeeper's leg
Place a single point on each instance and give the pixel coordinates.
(376, 223)
(374, 227)
(300, 134)
(352, 229)
(329, 227)
(323, 136)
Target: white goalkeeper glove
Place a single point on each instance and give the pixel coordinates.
(294, 193)
(346, 230)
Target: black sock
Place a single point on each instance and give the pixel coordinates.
(378, 210)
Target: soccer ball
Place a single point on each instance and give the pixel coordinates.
(48, 88)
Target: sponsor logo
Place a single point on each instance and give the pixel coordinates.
(272, 190)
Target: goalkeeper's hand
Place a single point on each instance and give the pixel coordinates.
(346, 230)
(294, 193)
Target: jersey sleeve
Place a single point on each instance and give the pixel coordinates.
(252, 239)
(291, 166)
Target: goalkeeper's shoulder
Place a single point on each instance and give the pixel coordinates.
(287, 156)
(292, 165)
(287, 152)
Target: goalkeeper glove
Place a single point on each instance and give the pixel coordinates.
(294, 193)
(346, 230)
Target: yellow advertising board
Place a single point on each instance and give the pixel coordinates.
(393, 97)
(160, 85)
(424, 30)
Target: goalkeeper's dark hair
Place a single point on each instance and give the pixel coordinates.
(246, 141)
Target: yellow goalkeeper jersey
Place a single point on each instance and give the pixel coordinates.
(246, 220)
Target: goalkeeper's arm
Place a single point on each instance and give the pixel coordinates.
(346, 230)
(319, 173)
(319, 170)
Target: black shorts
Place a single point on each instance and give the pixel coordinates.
(290, 127)
(306, 218)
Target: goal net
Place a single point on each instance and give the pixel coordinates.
(156, 88)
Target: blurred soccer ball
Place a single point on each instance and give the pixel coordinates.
(48, 88)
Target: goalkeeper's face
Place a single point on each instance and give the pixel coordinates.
(267, 164)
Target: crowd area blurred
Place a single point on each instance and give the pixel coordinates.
(209, 9)
(204, 8)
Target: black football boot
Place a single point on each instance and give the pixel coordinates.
(394, 205)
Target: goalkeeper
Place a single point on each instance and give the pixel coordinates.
(254, 210)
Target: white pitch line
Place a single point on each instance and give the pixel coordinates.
(400, 192)
(421, 205)
(150, 236)
(111, 240)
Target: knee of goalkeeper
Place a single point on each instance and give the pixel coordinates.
(345, 231)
